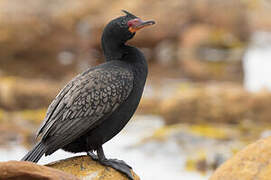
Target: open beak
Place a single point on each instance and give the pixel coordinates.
(136, 24)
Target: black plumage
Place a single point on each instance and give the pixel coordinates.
(94, 106)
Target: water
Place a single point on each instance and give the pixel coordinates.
(257, 63)
(152, 160)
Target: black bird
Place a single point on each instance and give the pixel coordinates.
(94, 106)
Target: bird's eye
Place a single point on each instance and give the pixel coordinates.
(123, 22)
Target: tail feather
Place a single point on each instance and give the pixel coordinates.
(35, 154)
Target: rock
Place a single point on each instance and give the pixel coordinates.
(224, 103)
(19, 170)
(86, 169)
(206, 52)
(20, 93)
(253, 162)
(207, 102)
(75, 168)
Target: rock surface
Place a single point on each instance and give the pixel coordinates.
(86, 169)
(75, 168)
(19, 93)
(213, 102)
(205, 52)
(18, 170)
(252, 163)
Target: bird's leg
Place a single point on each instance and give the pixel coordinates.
(93, 156)
(90, 153)
(118, 165)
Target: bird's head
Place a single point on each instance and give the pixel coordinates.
(124, 28)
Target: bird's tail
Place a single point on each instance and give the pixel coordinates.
(36, 153)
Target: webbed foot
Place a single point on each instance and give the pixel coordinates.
(118, 165)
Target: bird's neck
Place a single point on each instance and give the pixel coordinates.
(135, 58)
(112, 48)
(116, 50)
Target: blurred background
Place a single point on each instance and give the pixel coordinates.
(208, 89)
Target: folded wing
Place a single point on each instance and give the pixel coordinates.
(84, 102)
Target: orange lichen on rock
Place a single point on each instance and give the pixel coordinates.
(85, 168)
(75, 168)
(253, 162)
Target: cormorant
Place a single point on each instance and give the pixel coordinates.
(94, 106)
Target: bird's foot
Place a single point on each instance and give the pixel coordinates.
(93, 156)
(120, 161)
(118, 165)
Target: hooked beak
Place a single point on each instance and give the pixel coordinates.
(137, 23)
